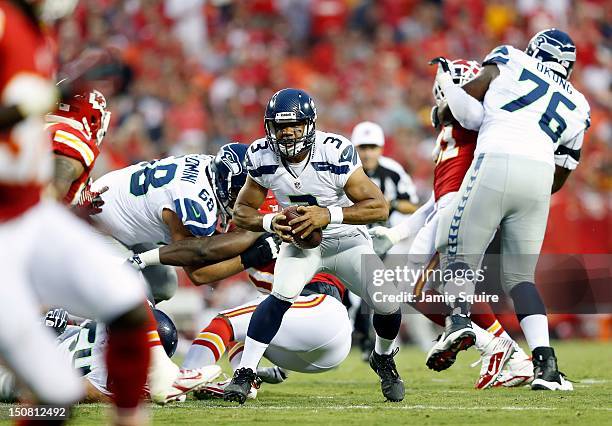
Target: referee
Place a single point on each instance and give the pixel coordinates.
(387, 174)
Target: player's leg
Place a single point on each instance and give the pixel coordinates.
(294, 268)
(344, 257)
(28, 348)
(71, 267)
(464, 231)
(523, 232)
(161, 279)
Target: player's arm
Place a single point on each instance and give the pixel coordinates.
(369, 206)
(187, 250)
(247, 216)
(261, 253)
(403, 206)
(67, 170)
(567, 158)
(561, 175)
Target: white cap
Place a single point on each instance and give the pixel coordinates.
(368, 133)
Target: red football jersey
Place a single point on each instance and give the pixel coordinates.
(73, 143)
(25, 152)
(453, 154)
(263, 277)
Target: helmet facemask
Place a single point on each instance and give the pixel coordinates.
(290, 147)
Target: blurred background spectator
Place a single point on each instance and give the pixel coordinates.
(190, 75)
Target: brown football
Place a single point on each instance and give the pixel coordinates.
(311, 241)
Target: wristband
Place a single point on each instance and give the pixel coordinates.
(335, 214)
(150, 257)
(267, 222)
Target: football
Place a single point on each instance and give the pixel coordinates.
(313, 240)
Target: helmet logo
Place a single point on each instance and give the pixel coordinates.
(229, 159)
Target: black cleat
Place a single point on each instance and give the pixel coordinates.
(238, 389)
(457, 336)
(391, 383)
(546, 375)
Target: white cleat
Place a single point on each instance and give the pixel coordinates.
(215, 390)
(517, 372)
(190, 380)
(493, 359)
(162, 374)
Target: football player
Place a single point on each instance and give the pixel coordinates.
(39, 239)
(84, 345)
(531, 123)
(77, 128)
(322, 174)
(453, 154)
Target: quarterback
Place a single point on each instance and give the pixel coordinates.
(321, 172)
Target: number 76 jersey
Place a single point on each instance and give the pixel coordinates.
(137, 195)
(530, 111)
(332, 160)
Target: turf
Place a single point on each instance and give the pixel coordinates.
(351, 395)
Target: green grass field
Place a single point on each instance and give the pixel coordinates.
(351, 395)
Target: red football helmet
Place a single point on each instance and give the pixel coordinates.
(462, 71)
(89, 110)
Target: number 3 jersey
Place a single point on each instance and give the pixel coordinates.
(332, 160)
(137, 195)
(531, 111)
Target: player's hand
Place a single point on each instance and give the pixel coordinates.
(57, 319)
(383, 239)
(90, 202)
(283, 231)
(263, 251)
(435, 120)
(312, 217)
(444, 76)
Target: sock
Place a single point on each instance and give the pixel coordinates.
(387, 328)
(535, 329)
(436, 311)
(264, 324)
(235, 354)
(127, 359)
(209, 345)
(483, 337)
(459, 285)
(483, 316)
(531, 314)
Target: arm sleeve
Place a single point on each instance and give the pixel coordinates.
(412, 224)
(468, 111)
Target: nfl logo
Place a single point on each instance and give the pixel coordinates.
(297, 184)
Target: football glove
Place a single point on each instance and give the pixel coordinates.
(435, 121)
(90, 203)
(57, 319)
(263, 251)
(444, 74)
(383, 239)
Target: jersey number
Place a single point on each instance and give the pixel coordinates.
(447, 148)
(82, 356)
(551, 110)
(303, 200)
(151, 176)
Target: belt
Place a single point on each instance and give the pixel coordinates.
(320, 287)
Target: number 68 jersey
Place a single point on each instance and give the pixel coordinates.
(331, 162)
(137, 195)
(530, 111)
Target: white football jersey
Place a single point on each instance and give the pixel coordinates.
(85, 346)
(133, 204)
(531, 111)
(333, 159)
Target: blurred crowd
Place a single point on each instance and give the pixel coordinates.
(186, 76)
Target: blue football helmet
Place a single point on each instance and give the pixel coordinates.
(229, 173)
(167, 332)
(290, 106)
(555, 49)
